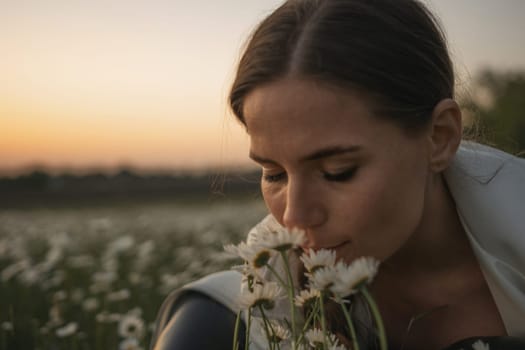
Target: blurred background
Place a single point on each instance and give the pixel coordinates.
(139, 88)
(122, 171)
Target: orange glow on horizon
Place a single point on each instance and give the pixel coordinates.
(103, 84)
(58, 140)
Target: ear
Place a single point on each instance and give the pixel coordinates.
(445, 134)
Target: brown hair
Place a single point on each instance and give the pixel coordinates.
(394, 51)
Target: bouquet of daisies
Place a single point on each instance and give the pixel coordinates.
(268, 281)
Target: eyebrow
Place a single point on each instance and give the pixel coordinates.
(319, 154)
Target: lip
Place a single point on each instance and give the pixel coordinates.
(341, 248)
(339, 245)
(334, 247)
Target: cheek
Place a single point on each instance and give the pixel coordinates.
(386, 214)
(402, 216)
(275, 200)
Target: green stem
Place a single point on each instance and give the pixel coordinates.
(355, 344)
(377, 316)
(267, 327)
(291, 290)
(281, 281)
(247, 336)
(323, 321)
(236, 331)
(311, 315)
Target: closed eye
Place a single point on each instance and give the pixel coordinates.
(274, 177)
(342, 176)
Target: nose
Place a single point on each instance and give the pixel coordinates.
(303, 209)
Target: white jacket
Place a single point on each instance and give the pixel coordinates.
(488, 187)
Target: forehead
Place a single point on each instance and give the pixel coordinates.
(289, 107)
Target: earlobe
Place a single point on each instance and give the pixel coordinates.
(446, 132)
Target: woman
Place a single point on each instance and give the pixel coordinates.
(349, 106)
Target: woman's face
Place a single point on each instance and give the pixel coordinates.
(354, 182)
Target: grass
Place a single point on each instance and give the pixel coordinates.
(69, 278)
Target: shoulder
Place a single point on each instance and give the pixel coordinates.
(194, 315)
(488, 187)
(223, 286)
(218, 291)
(480, 174)
(482, 164)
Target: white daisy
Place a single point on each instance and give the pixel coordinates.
(55, 315)
(351, 277)
(262, 295)
(90, 304)
(282, 240)
(106, 317)
(7, 326)
(249, 272)
(251, 277)
(267, 225)
(67, 330)
(306, 297)
(129, 344)
(61, 295)
(279, 333)
(119, 295)
(315, 337)
(254, 254)
(231, 250)
(480, 345)
(323, 278)
(314, 260)
(131, 326)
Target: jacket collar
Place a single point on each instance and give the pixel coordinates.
(479, 162)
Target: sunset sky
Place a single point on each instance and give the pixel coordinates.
(101, 84)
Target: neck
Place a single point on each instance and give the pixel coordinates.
(439, 244)
(436, 266)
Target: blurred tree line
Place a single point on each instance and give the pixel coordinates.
(41, 188)
(496, 108)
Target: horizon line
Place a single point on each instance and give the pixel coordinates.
(137, 169)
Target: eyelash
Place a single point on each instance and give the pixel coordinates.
(342, 176)
(274, 178)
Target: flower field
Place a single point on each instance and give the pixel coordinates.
(94, 278)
